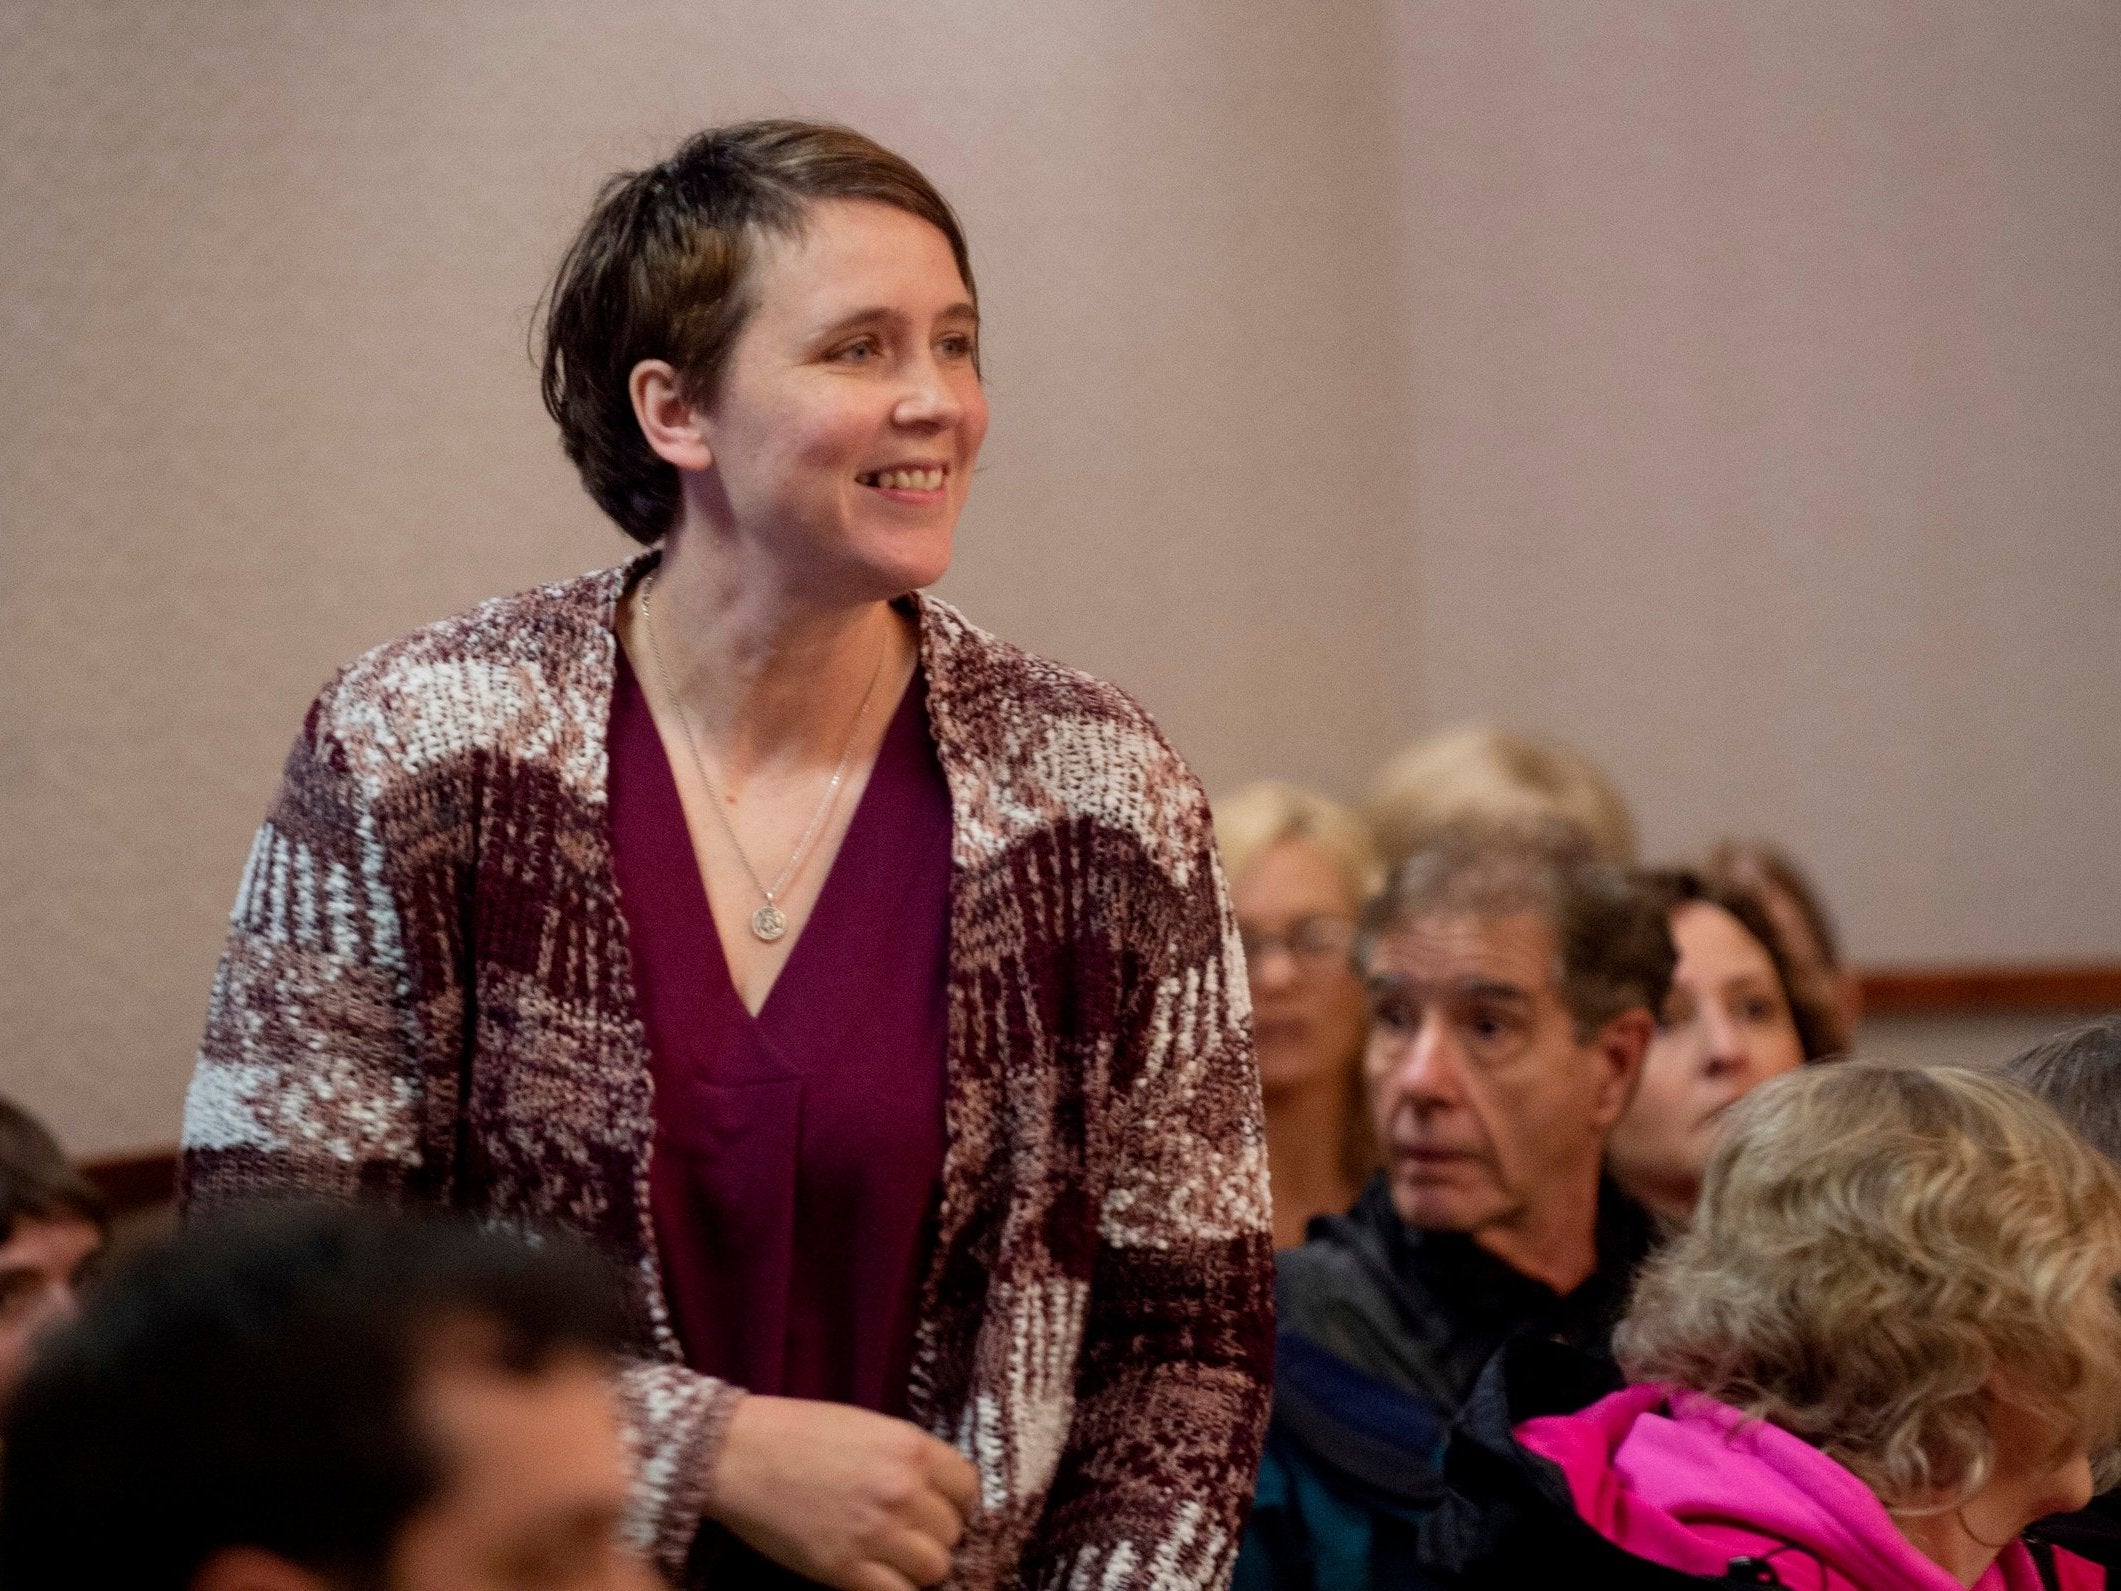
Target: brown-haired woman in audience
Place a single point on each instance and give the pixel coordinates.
(866, 987)
(1736, 1016)
(1803, 929)
(1300, 869)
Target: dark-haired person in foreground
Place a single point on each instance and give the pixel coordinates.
(2078, 1072)
(866, 987)
(326, 1399)
(1511, 988)
(52, 1226)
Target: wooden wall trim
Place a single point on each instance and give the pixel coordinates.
(1969, 991)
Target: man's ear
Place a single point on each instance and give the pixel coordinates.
(253, 1569)
(1621, 1045)
(667, 417)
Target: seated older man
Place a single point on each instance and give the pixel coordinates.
(1512, 988)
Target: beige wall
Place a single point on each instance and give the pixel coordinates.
(1767, 362)
(1733, 388)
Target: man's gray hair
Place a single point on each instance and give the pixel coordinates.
(2078, 1071)
(1612, 935)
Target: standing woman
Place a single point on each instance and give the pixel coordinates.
(864, 985)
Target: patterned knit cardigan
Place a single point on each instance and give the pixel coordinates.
(427, 996)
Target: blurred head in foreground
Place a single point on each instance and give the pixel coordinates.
(325, 1399)
(1300, 869)
(1911, 1270)
(51, 1227)
(1735, 1017)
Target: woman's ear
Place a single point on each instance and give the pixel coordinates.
(667, 418)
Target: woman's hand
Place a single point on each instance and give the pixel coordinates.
(853, 1499)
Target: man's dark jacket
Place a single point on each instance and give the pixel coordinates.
(1383, 1331)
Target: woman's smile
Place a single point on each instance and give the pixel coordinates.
(908, 483)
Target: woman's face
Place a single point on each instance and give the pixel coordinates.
(847, 420)
(1298, 924)
(1726, 1028)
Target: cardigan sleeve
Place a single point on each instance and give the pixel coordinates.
(338, 1004)
(675, 1420)
(333, 1052)
(1173, 1385)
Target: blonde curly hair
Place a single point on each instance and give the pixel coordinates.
(1879, 1254)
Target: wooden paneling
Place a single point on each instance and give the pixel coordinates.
(1924, 991)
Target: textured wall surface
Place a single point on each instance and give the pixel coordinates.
(1767, 367)
(266, 271)
(1735, 389)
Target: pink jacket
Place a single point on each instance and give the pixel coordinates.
(1690, 1483)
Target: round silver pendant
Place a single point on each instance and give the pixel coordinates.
(769, 922)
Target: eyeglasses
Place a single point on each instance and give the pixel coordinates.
(1311, 942)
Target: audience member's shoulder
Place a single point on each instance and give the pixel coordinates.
(1628, 1232)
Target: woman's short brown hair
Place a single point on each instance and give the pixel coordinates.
(1876, 1248)
(662, 270)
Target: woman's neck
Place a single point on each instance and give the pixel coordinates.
(1307, 1134)
(769, 680)
(1946, 1541)
(2029, 1480)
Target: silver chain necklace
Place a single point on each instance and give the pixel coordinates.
(769, 922)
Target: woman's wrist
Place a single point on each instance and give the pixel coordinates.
(714, 1446)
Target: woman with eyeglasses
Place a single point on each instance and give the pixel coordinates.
(1300, 868)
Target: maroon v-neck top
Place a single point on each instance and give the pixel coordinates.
(798, 1153)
